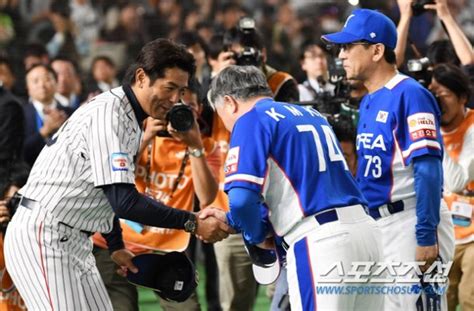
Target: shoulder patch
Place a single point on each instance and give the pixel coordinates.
(421, 125)
(119, 161)
(232, 161)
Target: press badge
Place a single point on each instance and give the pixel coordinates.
(461, 213)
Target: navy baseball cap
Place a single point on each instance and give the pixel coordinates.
(172, 276)
(266, 266)
(366, 25)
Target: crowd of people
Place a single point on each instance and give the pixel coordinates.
(399, 103)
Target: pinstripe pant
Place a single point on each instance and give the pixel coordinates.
(52, 264)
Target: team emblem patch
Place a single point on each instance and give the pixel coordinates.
(382, 116)
(421, 125)
(119, 161)
(232, 161)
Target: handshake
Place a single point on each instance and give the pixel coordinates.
(212, 225)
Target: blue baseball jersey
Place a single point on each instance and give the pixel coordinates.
(290, 155)
(397, 123)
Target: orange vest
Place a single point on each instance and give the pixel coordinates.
(454, 142)
(9, 297)
(168, 156)
(222, 136)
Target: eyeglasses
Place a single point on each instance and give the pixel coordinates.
(347, 46)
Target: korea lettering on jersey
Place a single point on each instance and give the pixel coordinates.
(290, 155)
(397, 123)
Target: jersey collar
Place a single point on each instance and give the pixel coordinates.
(140, 114)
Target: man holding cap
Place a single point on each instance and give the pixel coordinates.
(292, 169)
(399, 149)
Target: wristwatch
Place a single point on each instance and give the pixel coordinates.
(197, 153)
(191, 224)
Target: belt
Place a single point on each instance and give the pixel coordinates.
(32, 204)
(322, 218)
(28, 203)
(387, 209)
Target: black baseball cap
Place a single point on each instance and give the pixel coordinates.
(172, 276)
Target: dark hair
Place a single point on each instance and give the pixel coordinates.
(442, 51)
(453, 78)
(195, 87)
(189, 39)
(35, 49)
(64, 58)
(104, 59)
(216, 46)
(388, 53)
(4, 60)
(47, 67)
(157, 56)
(389, 56)
(307, 45)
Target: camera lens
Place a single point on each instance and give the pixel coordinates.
(181, 118)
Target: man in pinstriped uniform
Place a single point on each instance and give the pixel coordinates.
(83, 181)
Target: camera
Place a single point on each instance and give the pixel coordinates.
(247, 33)
(419, 69)
(181, 118)
(418, 6)
(12, 206)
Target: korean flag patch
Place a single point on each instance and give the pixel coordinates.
(119, 161)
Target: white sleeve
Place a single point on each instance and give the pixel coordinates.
(458, 174)
(111, 160)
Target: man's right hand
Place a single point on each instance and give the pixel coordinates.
(153, 126)
(53, 119)
(405, 8)
(224, 60)
(441, 7)
(212, 226)
(4, 213)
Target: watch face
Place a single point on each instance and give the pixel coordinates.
(190, 226)
(197, 153)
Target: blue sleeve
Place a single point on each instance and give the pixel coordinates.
(246, 162)
(247, 214)
(428, 187)
(418, 131)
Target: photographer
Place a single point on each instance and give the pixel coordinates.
(12, 178)
(247, 48)
(461, 43)
(313, 60)
(451, 87)
(171, 169)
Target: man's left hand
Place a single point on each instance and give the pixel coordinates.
(123, 258)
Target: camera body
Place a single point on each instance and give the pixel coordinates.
(419, 69)
(12, 206)
(418, 6)
(181, 118)
(249, 55)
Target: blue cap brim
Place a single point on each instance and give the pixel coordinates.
(340, 37)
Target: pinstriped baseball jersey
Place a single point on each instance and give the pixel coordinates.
(95, 147)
